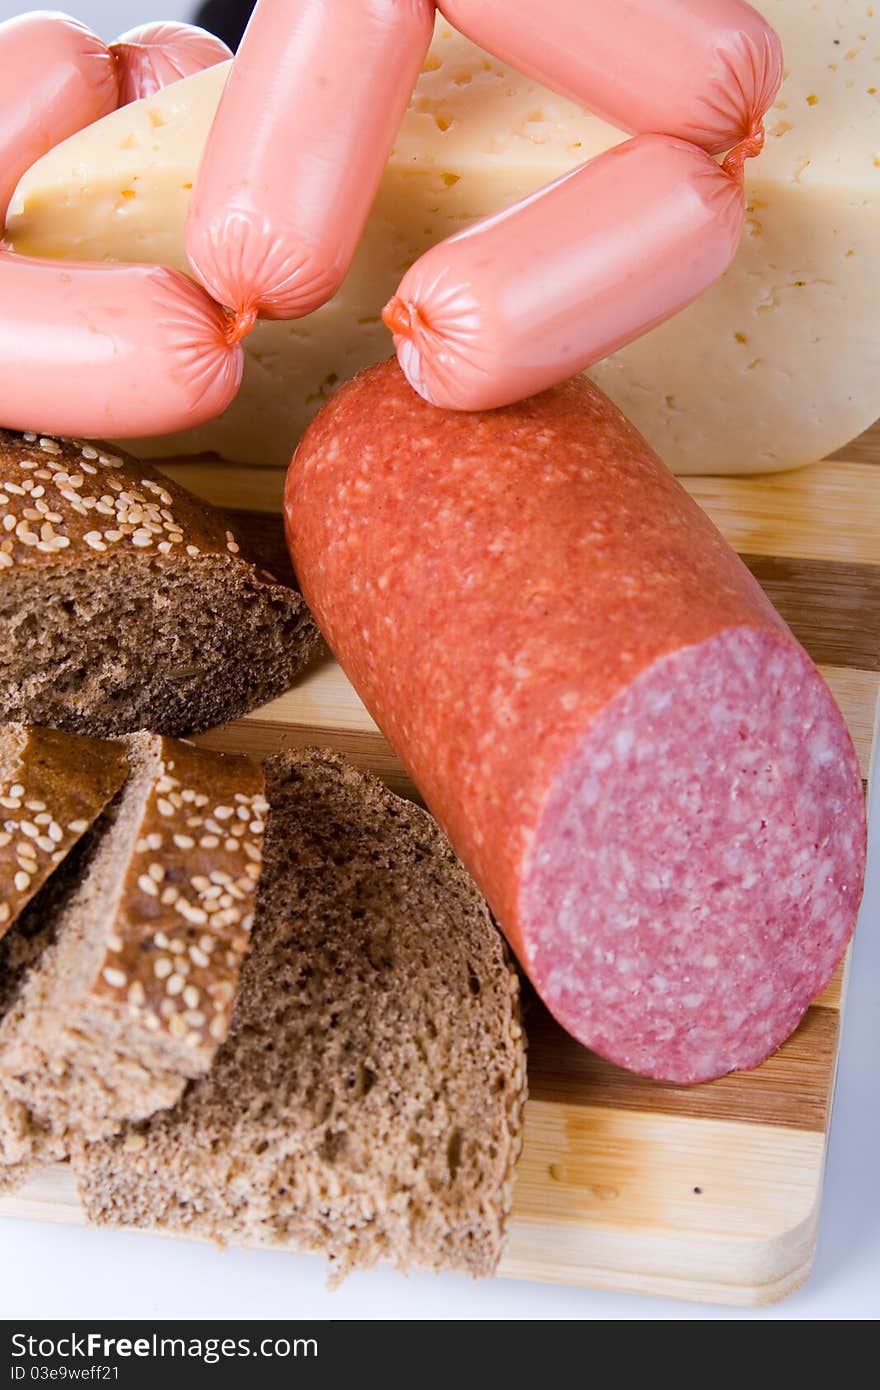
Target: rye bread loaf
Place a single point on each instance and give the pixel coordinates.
(367, 1102)
(53, 786)
(126, 603)
(119, 982)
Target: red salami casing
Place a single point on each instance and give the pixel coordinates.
(636, 760)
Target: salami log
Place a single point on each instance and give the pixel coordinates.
(639, 764)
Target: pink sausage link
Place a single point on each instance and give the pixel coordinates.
(57, 77)
(298, 146)
(532, 295)
(706, 70)
(152, 56)
(108, 349)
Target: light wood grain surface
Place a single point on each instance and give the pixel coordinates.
(710, 1192)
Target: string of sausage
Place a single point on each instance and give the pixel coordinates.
(292, 163)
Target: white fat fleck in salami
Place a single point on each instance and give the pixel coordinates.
(695, 873)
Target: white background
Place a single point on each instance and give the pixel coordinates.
(58, 1272)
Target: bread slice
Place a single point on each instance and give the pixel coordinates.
(125, 603)
(53, 786)
(120, 985)
(367, 1103)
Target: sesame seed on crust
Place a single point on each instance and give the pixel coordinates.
(62, 495)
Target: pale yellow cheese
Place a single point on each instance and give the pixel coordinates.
(777, 365)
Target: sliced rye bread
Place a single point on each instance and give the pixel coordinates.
(126, 603)
(120, 981)
(53, 787)
(367, 1104)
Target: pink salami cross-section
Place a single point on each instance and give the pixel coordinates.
(698, 864)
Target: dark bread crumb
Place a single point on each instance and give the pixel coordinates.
(126, 603)
(367, 1103)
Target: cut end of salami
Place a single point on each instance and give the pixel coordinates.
(698, 865)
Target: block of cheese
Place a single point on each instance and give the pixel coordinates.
(776, 366)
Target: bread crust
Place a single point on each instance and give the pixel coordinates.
(64, 499)
(53, 786)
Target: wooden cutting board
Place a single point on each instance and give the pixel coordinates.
(710, 1192)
